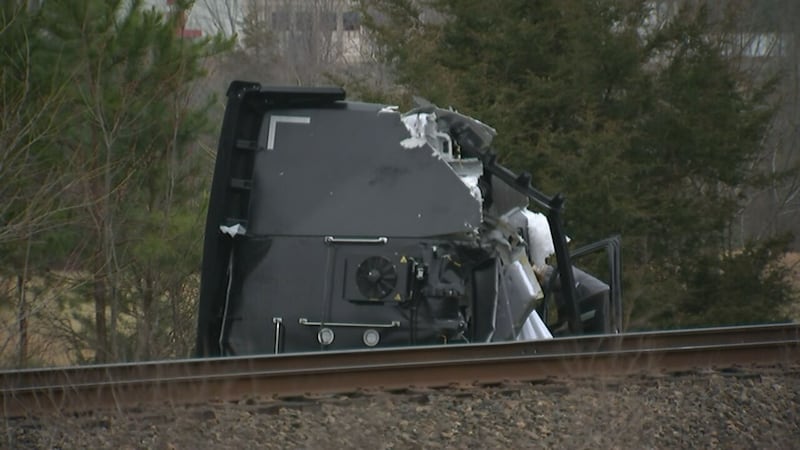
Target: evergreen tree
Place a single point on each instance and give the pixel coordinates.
(639, 120)
(32, 183)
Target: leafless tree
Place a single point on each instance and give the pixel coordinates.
(760, 39)
(218, 16)
(765, 44)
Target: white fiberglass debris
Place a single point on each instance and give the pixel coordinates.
(541, 245)
(472, 183)
(233, 230)
(389, 109)
(422, 128)
(534, 329)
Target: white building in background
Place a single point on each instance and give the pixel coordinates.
(325, 30)
(331, 29)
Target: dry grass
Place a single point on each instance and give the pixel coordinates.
(48, 344)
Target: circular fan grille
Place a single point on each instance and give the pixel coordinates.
(376, 277)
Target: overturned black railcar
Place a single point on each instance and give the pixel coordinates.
(339, 225)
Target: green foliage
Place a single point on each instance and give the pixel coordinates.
(741, 288)
(123, 164)
(649, 130)
(30, 103)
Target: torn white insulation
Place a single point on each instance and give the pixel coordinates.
(482, 134)
(541, 245)
(422, 128)
(389, 109)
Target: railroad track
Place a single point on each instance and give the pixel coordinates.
(120, 386)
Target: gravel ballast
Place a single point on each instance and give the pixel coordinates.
(731, 409)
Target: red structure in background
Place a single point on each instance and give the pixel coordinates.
(184, 32)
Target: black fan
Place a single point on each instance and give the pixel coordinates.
(376, 277)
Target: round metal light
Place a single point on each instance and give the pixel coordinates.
(325, 336)
(371, 338)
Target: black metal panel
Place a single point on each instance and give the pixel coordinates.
(294, 278)
(485, 288)
(287, 95)
(229, 203)
(283, 281)
(345, 230)
(342, 171)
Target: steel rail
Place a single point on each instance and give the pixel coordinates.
(165, 369)
(123, 385)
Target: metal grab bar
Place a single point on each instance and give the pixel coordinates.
(335, 240)
(306, 322)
